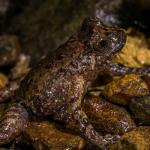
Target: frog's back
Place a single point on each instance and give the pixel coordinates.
(44, 73)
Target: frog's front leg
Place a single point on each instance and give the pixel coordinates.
(119, 69)
(75, 114)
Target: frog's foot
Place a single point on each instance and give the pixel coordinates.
(110, 139)
(89, 132)
(13, 122)
(119, 69)
(101, 141)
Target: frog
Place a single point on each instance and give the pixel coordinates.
(59, 82)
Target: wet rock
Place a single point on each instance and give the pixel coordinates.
(136, 52)
(121, 90)
(44, 135)
(9, 50)
(140, 108)
(107, 117)
(3, 81)
(137, 139)
(7, 92)
(21, 68)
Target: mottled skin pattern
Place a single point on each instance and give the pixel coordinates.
(58, 84)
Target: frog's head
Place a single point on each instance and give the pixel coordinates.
(105, 41)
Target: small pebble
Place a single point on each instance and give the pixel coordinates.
(140, 108)
(44, 135)
(137, 139)
(120, 91)
(3, 80)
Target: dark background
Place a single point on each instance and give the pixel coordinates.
(43, 25)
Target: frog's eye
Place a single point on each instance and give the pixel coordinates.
(103, 44)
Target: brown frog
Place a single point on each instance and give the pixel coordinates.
(57, 85)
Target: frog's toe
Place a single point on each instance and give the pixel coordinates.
(108, 139)
(111, 138)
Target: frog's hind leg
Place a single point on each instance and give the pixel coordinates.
(84, 126)
(13, 122)
(76, 115)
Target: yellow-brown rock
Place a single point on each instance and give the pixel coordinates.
(107, 117)
(121, 90)
(21, 68)
(44, 135)
(135, 53)
(3, 80)
(137, 139)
